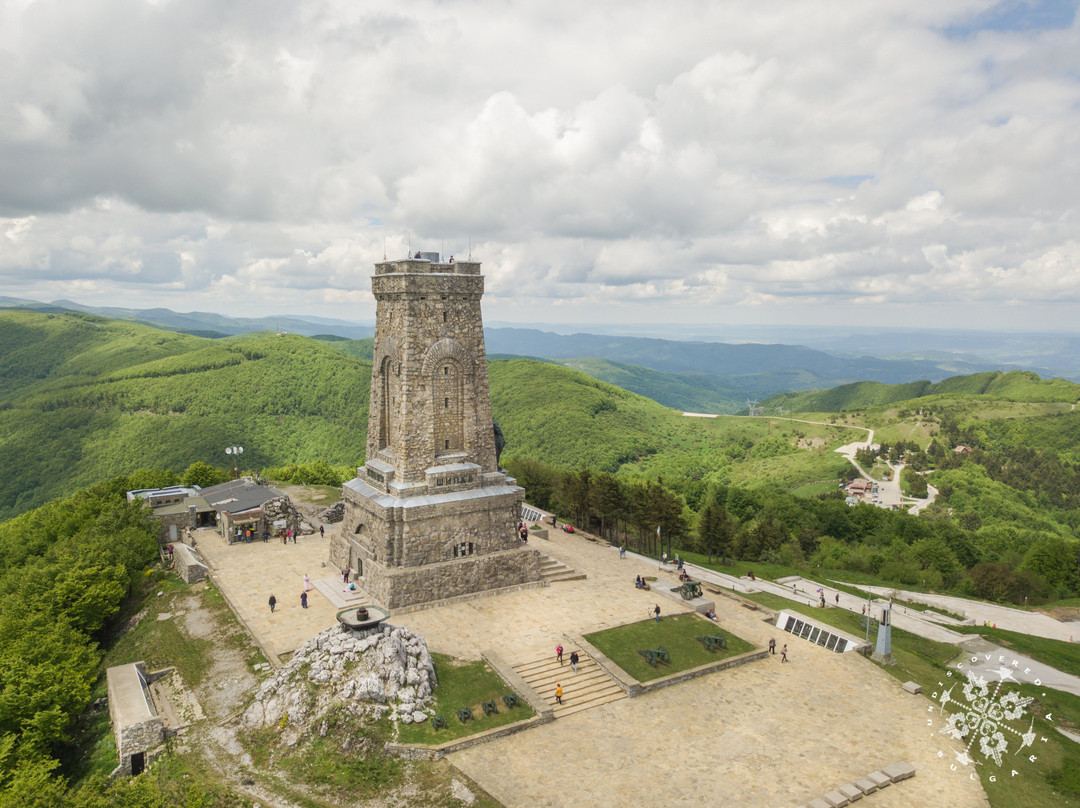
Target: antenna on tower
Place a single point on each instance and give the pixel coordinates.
(384, 248)
(470, 247)
(751, 407)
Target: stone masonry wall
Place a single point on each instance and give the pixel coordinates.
(406, 586)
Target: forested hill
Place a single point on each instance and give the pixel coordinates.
(86, 398)
(1016, 385)
(83, 398)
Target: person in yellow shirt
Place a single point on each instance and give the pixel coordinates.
(558, 694)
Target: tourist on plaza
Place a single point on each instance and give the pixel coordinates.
(303, 599)
(656, 611)
(307, 582)
(273, 603)
(558, 653)
(573, 661)
(837, 598)
(345, 574)
(622, 551)
(783, 653)
(772, 645)
(558, 694)
(322, 531)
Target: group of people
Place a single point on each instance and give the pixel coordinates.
(303, 595)
(523, 532)
(641, 583)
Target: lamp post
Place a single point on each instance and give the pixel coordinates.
(235, 451)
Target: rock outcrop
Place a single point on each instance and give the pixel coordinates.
(386, 669)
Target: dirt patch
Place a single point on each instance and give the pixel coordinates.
(229, 683)
(1063, 614)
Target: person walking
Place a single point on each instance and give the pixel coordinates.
(783, 653)
(656, 611)
(307, 582)
(322, 532)
(573, 661)
(303, 600)
(273, 603)
(837, 598)
(772, 645)
(622, 551)
(558, 694)
(558, 653)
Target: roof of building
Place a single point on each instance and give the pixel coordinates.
(131, 700)
(238, 496)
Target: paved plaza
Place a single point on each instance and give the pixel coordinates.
(764, 734)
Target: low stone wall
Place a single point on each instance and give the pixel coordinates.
(436, 752)
(398, 587)
(487, 593)
(187, 564)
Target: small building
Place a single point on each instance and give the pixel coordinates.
(244, 505)
(236, 504)
(138, 728)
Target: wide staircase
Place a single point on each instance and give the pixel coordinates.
(589, 687)
(552, 570)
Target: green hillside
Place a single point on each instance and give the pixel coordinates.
(1016, 385)
(682, 391)
(86, 398)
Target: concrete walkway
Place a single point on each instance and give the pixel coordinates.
(764, 734)
(1006, 617)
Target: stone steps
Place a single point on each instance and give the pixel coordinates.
(589, 687)
(553, 570)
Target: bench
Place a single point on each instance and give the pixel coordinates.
(465, 715)
(654, 656)
(489, 707)
(511, 701)
(713, 643)
(438, 722)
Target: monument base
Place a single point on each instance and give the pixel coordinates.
(412, 550)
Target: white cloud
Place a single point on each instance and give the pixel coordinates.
(635, 160)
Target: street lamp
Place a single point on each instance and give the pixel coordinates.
(235, 451)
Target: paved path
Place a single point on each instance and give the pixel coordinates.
(249, 573)
(761, 735)
(1006, 617)
(988, 659)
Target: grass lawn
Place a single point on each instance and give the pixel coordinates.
(677, 634)
(464, 684)
(815, 489)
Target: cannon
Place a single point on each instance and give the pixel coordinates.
(688, 589)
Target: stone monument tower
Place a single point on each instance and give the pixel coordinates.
(430, 515)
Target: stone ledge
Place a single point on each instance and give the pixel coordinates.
(912, 687)
(487, 593)
(442, 750)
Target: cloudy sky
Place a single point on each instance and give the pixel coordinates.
(694, 161)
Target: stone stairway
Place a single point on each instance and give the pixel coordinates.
(552, 570)
(589, 687)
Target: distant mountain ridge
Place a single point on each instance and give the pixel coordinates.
(203, 323)
(693, 375)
